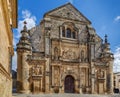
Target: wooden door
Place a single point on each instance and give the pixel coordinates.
(69, 84)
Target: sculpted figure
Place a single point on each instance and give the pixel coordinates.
(40, 70)
(56, 53)
(100, 73)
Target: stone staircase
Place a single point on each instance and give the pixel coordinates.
(64, 95)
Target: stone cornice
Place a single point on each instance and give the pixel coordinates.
(64, 19)
(48, 13)
(14, 13)
(6, 17)
(4, 72)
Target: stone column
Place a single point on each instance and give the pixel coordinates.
(86, 69)
(47, 80)
(19, 69)
(80, 86)
(60, 80)
(47, 64)
(92, 79)
(25, 74)
(92, 57)
(111, 77)
(62, 89)
(87, 81)
(105, 82)
(60, 31)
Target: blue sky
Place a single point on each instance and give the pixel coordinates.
(104, 15)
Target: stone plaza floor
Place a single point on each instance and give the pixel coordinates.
(64, 95)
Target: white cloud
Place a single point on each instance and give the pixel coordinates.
(26, 14)
(15, 41)
(116, 67)
(117, 18)
(29, 18)
(14, 61)
(31, 22)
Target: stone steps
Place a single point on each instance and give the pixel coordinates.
(64, 95)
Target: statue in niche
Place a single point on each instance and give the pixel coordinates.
(69, 54)
(40, 70)
(100, 73)
(64, 53)
(56, 53)
(82, 55)
(30, 71)
(36, 70)
(74, 55)
(48, 31)
(92, 38)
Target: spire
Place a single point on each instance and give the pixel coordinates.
(24, 42)
(106, 53)
(25, 27)
(106, 44)
(25, 32)
(106, 40)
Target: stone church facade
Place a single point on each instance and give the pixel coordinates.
(64, 54)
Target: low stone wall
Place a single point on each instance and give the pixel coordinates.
(5, 84)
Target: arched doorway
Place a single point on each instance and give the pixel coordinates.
(69, 84)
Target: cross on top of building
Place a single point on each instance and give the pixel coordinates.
(25, 28)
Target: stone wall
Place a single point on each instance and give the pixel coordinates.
(6, 45)
(5, 80)
(5, 87)
(4, 42)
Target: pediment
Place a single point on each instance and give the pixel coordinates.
(68, 11)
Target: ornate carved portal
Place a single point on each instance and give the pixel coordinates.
(36, 78)
(101, 88)
(69, 84)
(36, 84)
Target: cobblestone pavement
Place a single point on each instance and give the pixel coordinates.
(64, 95)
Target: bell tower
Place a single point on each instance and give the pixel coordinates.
(108, 58)
(23, 49)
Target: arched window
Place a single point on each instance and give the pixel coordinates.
(63, 31)
(68, 33)
(73, 35)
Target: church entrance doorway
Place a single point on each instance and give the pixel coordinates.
(69, 84)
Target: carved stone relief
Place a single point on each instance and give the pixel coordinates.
(36, 70)
(56, 76)
(82, 77)
(69, 54)
(100, 73)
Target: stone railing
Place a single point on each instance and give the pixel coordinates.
(35, 58)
